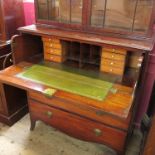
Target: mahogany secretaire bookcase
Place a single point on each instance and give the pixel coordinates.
(81, 68)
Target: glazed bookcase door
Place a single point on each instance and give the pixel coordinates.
(67, 13)
(125, 16)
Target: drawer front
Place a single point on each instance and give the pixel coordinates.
(113, 70)
(51, 40)
(52, 45)
(81, 109)
(53, 58)
(135, 62)
(77, 126)
(53, 51)
(113, 56)
(113, 50)
(113, 63)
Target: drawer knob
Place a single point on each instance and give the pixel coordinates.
(97, 132)
(112, 56)
(111, 63)
(51, 51)
(49, 114)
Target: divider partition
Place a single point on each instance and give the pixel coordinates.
(82, 54)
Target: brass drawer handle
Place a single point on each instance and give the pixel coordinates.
(49, 114)
(97, 132)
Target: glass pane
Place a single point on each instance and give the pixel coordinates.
(59, 10)
(42, 9)
(120, 14)
(64, 11)
(76, 11)
(97, 12)
(143, 15)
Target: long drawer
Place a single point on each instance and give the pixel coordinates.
(81, 109)
(77, 126)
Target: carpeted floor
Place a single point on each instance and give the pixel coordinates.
(44, 140)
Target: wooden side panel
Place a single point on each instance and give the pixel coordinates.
(26, 46)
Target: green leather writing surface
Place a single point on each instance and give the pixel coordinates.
(67, 81)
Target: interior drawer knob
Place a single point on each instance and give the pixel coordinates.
(111, 63)
(49, 114)
(97, 132)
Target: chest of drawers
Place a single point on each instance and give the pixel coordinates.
(53, 50)
(113, 61)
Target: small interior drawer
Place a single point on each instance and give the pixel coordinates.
(112, 69)
(51, 40)
(113, 63)
(77, 126)
(135, 61)
(52, 45)
(54, 58)
(113, 56)
(113, 50)
(49, 50)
